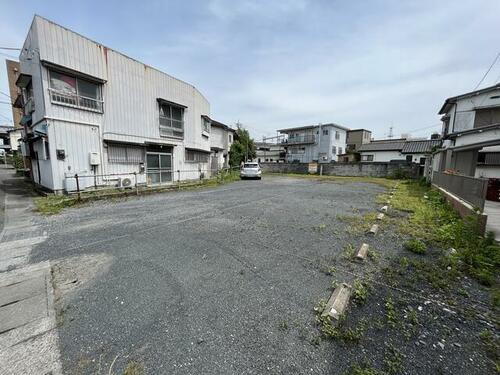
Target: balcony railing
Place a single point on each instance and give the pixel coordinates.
(470, 189)
(303, 139)
(76, 101)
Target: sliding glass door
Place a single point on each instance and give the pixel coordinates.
(159, 168)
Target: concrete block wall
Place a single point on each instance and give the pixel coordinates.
(375, 169)
(301, 168)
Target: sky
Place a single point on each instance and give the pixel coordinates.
(272, 64)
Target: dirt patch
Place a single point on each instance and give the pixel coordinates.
(73, 273)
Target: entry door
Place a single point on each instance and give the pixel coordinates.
(159, 168)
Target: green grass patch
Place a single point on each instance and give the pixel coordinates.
(415, 246)
(363, 369)
(434, 220)
(54, 204)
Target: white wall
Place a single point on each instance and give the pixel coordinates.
(488, 171)
(383, 156)
(131, 110)
(462, 115)
(485, 135)
(323, 144)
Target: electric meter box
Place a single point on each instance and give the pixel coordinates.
(94, 158)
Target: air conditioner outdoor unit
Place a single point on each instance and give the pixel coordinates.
(124, 183)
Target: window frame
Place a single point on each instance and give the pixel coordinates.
(368, 157)
(170, 119)
(205, 125)
(53, 93)
(126, 149)
(196, 156)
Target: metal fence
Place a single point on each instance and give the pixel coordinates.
(470, 189)
(139, 181)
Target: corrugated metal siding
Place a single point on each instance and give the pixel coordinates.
(218, 137)
(31, 67)
(69, 49)
(131, 112)
(77, 141)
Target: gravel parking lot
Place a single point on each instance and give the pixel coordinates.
(201, 281)
(224, 281)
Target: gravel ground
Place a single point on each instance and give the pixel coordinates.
(224, 281)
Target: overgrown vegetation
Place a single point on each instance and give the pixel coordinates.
(360, 292)
(243, 147)
(363, 369)
(16, 160)
(432, 218)
(491, 342)
(333, 329)
(415, 246)
(133, 368)
(54, 204)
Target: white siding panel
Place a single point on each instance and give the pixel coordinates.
(218, 137)
(64, 47)
(131, 111)
(77, 141)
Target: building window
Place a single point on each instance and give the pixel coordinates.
(337, 134)
(340, 150)
(125, 154)
(230, 137)
(46, 149)
(205, 124)
(367, 157)
(334, 150)
(409, 158)
(171, 121)
(325, 131)
(196, 156)
(75, 92)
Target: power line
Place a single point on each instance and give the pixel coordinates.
(7, 55)
(485, 74)
(11, 48)
(9, 103)
(8, 96)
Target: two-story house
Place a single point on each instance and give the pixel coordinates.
(221, 139)
(355, 139)
(92, 111)
(314, 143)
(471, 129)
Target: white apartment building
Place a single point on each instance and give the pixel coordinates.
(221, 139)
(92, 111)
(315, 143)
(471, 130)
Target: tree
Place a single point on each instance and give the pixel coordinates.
(243, 147)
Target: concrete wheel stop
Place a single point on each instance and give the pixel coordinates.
(337, 304)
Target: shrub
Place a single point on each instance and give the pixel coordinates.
(17, 161)
(415, 246)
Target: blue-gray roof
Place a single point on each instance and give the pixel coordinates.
(389, 145)
(420, 147)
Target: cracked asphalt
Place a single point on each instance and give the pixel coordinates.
(214, 281)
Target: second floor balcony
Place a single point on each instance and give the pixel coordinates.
(301, 139)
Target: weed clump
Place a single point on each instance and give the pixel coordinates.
(415, 246)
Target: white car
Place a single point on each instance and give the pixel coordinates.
(251, 170)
